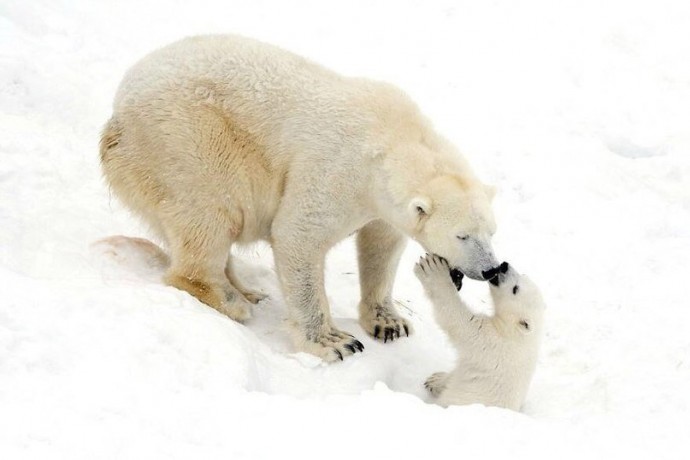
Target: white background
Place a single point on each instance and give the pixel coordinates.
(578, 111)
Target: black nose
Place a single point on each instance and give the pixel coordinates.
(491, 273)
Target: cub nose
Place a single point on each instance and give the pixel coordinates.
(492, 274)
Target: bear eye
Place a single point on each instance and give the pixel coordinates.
(524, 324)
(516, 288)
(463, 237)
(420, 211)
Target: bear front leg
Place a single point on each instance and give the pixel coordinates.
(299, 252)
(379, 249)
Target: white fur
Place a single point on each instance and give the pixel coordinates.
(218, 140)
(498, 354)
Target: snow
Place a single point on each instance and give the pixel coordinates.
(578, 111)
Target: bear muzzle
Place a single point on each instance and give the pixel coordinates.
(493, 275)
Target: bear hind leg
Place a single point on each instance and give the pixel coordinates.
(199, 254)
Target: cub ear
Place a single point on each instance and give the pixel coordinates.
(490, 191)
(420, 206)
(524, 326)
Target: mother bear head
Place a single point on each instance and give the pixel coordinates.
(451, 216)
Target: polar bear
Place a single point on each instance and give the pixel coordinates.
(223, 140)
(498, 354)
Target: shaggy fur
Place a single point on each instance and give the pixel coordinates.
(498, 354)
(218, 140)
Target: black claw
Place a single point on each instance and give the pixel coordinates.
(351, 348)
(407, 331)
(385, 336)
(377, 331)
(390, 332)
(359, 345)
(340, 355)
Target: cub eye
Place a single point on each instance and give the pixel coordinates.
(524, 324)
(463, 237)
(516, 288)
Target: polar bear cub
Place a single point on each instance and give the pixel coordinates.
(498, 353)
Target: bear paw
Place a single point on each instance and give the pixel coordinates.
(434, 272)
(436, 383)
(382, 322)
(332, 345)
(238, 311)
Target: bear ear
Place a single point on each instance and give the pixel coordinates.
(420, 206)
(490, 191)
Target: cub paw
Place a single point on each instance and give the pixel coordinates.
(433, 271)
(383, 323)
(436, 383)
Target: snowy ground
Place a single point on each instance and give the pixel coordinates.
(578, 111)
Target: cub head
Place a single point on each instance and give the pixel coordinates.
(453, 219)
(516, 298)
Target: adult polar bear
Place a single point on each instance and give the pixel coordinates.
(217, 140)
